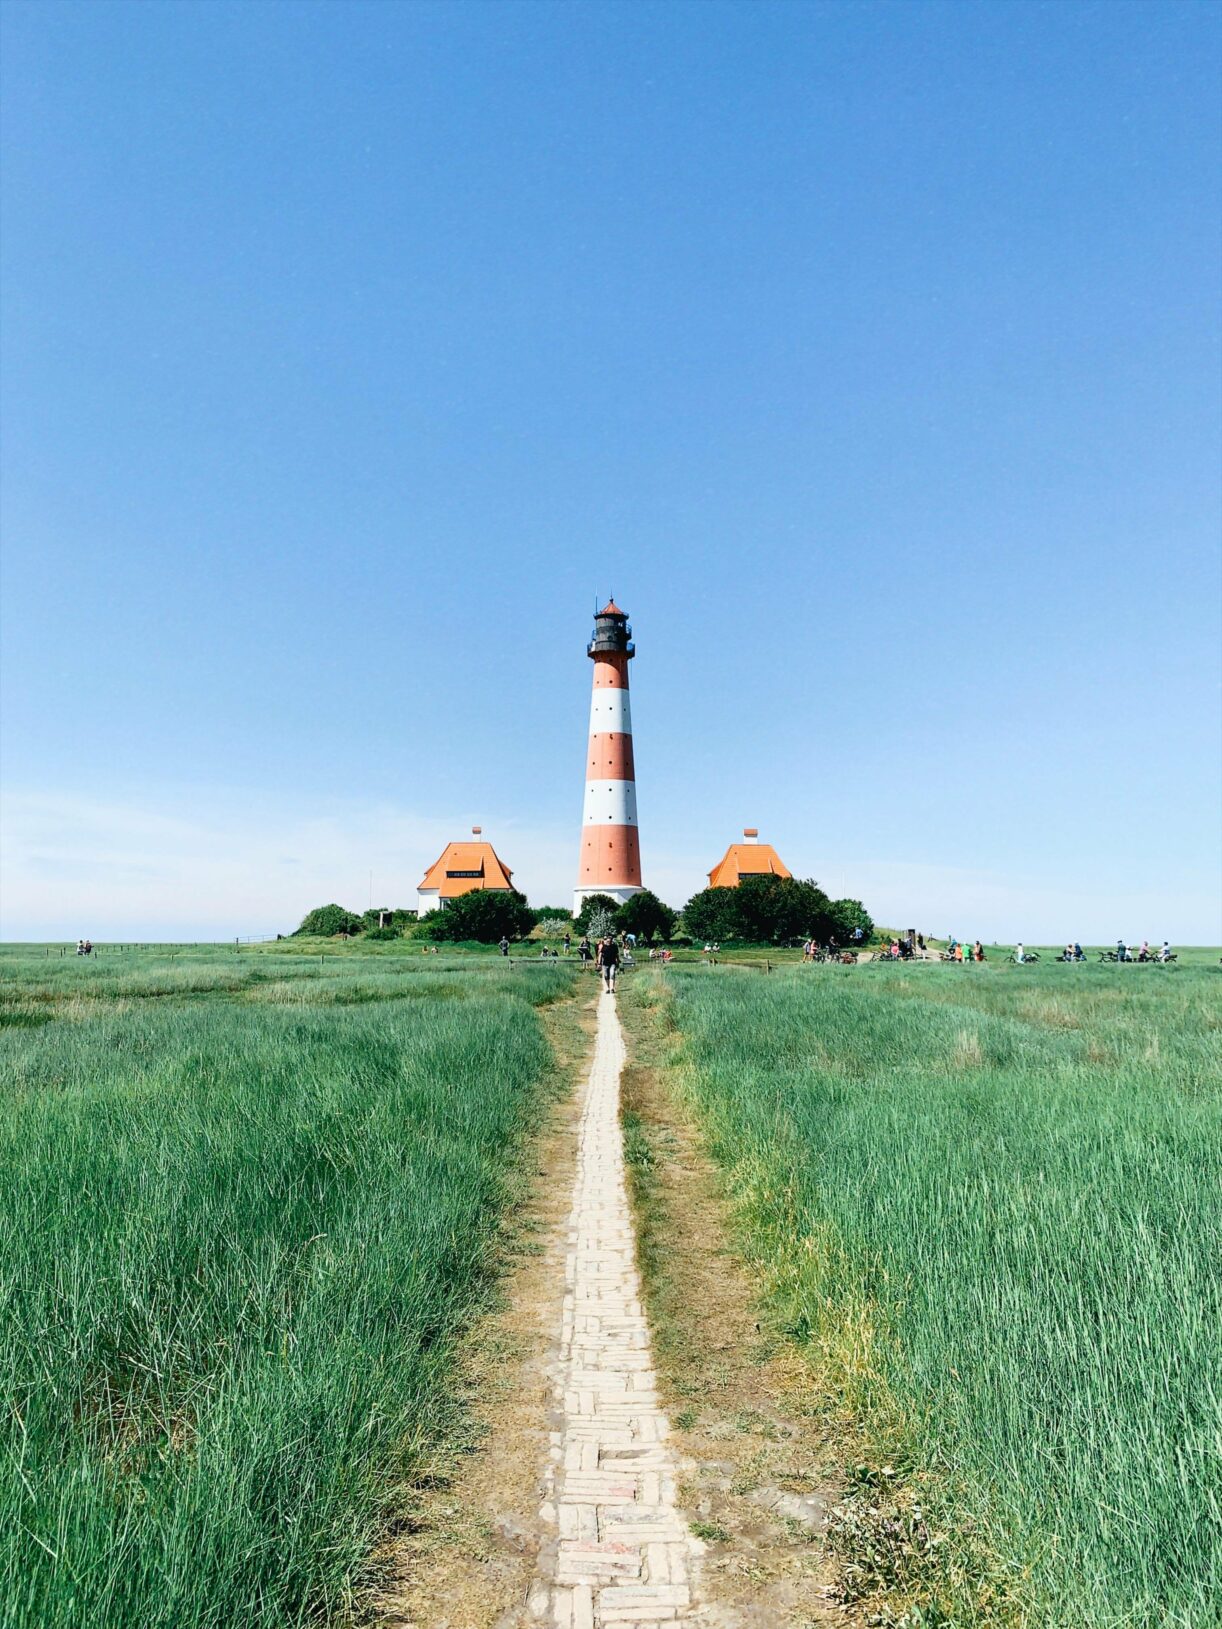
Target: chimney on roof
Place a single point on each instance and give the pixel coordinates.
(475, 830)
(751, 833)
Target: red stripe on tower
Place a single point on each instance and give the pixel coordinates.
(610, 861)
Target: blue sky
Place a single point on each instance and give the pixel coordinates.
(869, 353)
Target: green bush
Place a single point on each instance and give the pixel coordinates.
(486, 915)
(771, 911)
(386, 916)
(847, 916)
(646, 916)
(328, 920)
(712, 914)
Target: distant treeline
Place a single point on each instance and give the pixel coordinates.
(761, 910)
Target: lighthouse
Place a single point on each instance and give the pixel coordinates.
(610, 860)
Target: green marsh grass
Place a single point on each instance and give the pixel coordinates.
(248, 1204)
(989, 1201)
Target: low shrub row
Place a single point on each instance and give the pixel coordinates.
(764, 910)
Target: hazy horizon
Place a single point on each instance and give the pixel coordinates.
(80, 856)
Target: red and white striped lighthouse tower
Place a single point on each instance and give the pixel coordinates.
(610, 843)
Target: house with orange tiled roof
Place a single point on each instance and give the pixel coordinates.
(462, 868)
(750, 858)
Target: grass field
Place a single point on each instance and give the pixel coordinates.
(253, 1196)
(248, 1202)
(988, 1202)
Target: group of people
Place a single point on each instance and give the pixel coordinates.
(608, 955)
(546, 952)
(84, 947)
(1142, 953)
(956, 951)
(902, 950)
(911, 946)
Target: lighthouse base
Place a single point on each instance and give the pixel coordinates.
(618, 892)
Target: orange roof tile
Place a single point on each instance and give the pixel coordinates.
(611, 609)
(478, 861)
(747, 860)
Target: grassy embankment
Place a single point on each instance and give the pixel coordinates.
(987, 1202)
(249, 1203)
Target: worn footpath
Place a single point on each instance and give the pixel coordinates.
(575, 1500)
(621, 1552)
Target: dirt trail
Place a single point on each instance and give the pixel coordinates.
(624, 1554)
(565, 1517)
(575, 1503)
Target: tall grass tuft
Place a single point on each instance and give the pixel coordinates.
(991, 1205)
(238, 1237)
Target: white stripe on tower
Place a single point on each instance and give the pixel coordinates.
(611, 712)
(610, 802)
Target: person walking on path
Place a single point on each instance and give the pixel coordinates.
(568, 940)
(608, 961)
(583, 949)
(503, 947)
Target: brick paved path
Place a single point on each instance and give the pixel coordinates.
(622, 1554)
